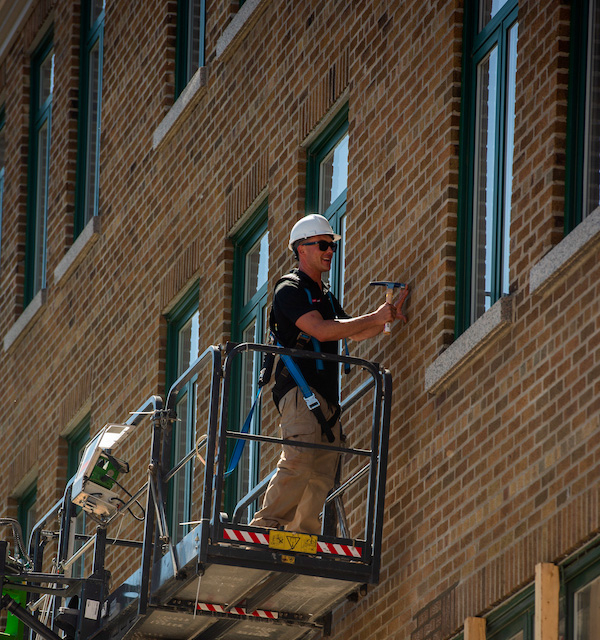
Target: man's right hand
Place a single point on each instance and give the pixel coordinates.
(385, 313)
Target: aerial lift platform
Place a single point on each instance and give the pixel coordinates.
(224, 579)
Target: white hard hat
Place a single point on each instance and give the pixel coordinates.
(309, 226)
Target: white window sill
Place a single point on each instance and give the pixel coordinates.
(79, 249)
(560, 261)
(479, 336)
(183, 105)
(23, 324)
(241, 24)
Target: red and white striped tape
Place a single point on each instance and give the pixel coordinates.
(339, 549)
(246, 536)
(240, 611)
(322, 547)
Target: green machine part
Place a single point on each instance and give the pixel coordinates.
(14, 627)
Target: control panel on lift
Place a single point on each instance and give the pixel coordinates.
(98, 472)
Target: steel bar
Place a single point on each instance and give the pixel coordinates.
(294, 443)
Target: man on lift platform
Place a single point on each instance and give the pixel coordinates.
(306, 315)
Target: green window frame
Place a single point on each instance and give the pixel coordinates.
(27, 512)
(515, 620)
(2, 169)
(486, 151)
(579, 605)
(327, 186)
(26, 516)
(76, 443)
(183, 328)
(42, 86)
(90, 101)
(249, 324)
(582, 180)
(191, 21)
(580, 590)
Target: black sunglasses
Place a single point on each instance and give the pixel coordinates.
(323, 245)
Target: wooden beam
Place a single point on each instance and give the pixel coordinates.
(474, 628)
(547, 588)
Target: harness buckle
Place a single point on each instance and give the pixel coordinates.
(312, 402)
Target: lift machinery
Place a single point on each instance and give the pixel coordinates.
(224, 579)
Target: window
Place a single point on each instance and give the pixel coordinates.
(76, 444)
(586, 610)
(579, 606)
(583, 149)
(515, 620)
(90, 100)
(487, 147)
(582, 598)
(42, 86)
(182, 350)
(190, 41)
(519, 630)
(2, 165)
(250, 324)
(326, 188)
(27, 514)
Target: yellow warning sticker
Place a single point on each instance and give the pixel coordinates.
(291, 541)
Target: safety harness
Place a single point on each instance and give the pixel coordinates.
(311, 400)
(293, 370)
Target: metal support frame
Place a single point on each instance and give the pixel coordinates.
(375, 469)
(156, 529)
(61, 584)
(212, 355)
(159, 593)
(27, 618)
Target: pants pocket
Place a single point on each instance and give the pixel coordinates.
(296, 419)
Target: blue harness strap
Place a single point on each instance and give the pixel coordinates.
(307, 394)
(238, 449)
(313, 404)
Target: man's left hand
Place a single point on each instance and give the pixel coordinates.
(401, 300)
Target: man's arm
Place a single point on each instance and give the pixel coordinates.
(358, 328)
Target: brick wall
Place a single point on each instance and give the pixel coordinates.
(487, 477)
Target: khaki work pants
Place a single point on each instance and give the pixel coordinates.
(304, 477)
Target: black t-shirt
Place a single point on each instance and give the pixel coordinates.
(291, 301)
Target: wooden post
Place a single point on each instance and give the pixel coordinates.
(547, 587)
(474, 628)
